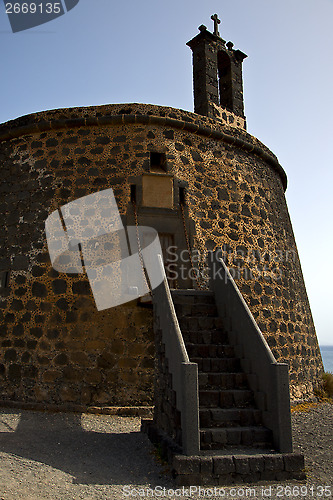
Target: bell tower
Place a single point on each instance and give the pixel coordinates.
(217, 73)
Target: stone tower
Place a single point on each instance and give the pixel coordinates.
(199, 179)
(217, 71)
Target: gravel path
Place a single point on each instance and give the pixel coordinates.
(71, 456)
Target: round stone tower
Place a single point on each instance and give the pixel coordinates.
(200, 180)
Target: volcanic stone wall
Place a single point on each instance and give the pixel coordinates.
(55, 346)
(167, 418)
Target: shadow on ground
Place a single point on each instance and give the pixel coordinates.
(104, 455)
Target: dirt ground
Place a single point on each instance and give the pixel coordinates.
(71, 456)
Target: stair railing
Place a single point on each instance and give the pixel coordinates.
(268, 379)
(184, 373)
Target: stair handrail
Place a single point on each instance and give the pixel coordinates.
(184, 373)
(268, 379)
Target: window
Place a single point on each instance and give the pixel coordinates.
(4, 279)
(133, 193)
(157, 162)
(225, 80)
(182, 194)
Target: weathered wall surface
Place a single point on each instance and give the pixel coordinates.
(55, 346)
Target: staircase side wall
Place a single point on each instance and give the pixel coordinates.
(268, 379)
(166, 416)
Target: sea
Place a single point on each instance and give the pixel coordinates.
(327, 355)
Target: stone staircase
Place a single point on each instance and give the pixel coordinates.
(229, 419)
(235, 447)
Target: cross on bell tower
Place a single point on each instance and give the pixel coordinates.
(217, 73)
(217, 21)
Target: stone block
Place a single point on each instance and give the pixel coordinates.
(134, 349)
(80, 358)
(61, 359)
(31, 344)
(81, 288)
(51, 142)
(226, 399)
(193, 324)
(72, 374)
(251, 478)
(169, 134)
(206, 466)
(51, 376)
(53, 333)
(188, 465)
(14, 373)
(21, 291)
(247, 437)
(68, 394)
(10, 355)
(227, 479)
(36, 332)
(204, 418)
(102, 140)
(183, 299)
(242, 465)
(293, 462)
(93, 345)
(256, 463)
(234, 436)
(206, 365)
(209, 480)
(223, 465)
(120, 138)
(209, 398)
(93, 377)
(206, 323)
(20, 262)
(39, 290)
(273, 462)
(97, 151)
(219, 436)
(86, 396)
(127, 363)
(43, 360)
(300, 476)
(30, 371)
(41, 394)
(268, 475)
(59, 286)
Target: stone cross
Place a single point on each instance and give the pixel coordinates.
(216, 20)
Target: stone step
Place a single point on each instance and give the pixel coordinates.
(232, 465)
(194, 324)
(234, 398)
(229, 417)
(220, 381)
(237, 467)
(217, 438)
(184, 297)
(217, 336)
(195, 310)
(210, 351)
(224, 365)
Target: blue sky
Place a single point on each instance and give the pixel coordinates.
(104, 51)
